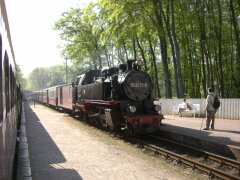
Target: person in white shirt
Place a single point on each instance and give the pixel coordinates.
(186, 107)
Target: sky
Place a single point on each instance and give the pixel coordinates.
(35, 43)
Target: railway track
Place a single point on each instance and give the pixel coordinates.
(213, 165)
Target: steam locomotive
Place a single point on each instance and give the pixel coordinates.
(119, 98)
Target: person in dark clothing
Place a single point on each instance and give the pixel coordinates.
(210, 110)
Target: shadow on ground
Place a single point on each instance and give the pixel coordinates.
(45, 156)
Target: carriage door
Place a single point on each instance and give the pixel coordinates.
(61, 96)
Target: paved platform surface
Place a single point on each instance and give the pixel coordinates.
(226, 134)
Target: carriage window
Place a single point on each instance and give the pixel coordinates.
(6, 70)
(11, 87)
(1, 90)
(14, 90)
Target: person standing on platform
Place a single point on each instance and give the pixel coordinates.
(210, 110)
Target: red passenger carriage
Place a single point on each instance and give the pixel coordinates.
(52, 97)
(45, 96)
(64, 94)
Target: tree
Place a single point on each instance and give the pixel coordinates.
(38, 79)
(195, 41)
(20, 77)
(41, 78)
(81, 44)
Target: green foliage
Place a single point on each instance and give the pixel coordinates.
(20, 77)
(41, 78)
(110, 32)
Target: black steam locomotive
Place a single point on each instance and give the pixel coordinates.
(119, 98)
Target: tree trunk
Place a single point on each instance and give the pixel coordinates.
(163, 45)
(202, 44)
(178, 60)
(134, 49)
(155, 68)
(93, 60)
(142, 53)
(221, 80)
(237, 37)
(192, 74)
(166, 20)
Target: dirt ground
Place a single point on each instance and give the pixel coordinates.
(61, 147)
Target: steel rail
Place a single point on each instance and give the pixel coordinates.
(220, 159)
(211, 171)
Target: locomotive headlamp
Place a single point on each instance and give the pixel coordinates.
(132, 109)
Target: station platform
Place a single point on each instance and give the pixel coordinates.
(55, 146)
(223, 140)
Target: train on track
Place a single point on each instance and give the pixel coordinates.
(119, 98)
(10, 99)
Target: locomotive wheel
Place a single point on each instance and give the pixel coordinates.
(84, 117)
(129, 131)
(95, 121)
(71, 113)
(91, 121)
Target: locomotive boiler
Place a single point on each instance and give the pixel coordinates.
(117, 97)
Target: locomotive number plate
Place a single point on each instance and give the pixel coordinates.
(138, 85)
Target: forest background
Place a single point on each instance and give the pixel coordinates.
(185, 45)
